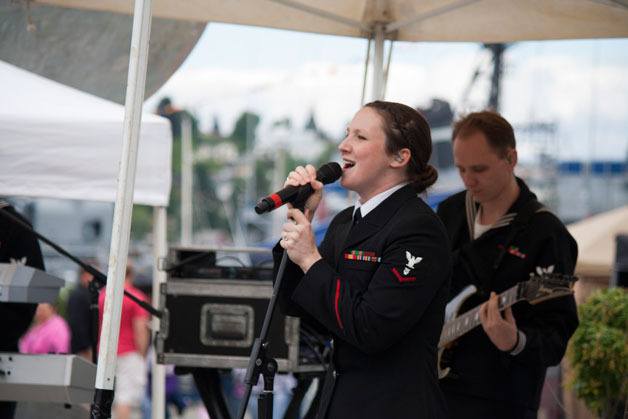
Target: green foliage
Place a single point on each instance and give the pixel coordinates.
(599, 352)
(141, 221)
(243, 135)
(264, 174)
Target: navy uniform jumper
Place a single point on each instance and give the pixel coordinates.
(486, 382)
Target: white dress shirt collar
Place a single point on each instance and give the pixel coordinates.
(372, 203)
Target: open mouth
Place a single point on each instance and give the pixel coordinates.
(347, 164)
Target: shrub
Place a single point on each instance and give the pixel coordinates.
(598, 352)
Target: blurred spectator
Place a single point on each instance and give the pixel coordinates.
(132, 346)
(174, 396)
(49, 334)
(167, 110)
(79, 316)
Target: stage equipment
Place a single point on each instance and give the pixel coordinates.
(620, 271)
(46, 378)
(25, 284)
(213, 312)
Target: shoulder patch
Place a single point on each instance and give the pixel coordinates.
(412, 260)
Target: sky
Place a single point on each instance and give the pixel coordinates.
(580, 86)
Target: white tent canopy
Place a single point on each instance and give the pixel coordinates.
(596, 241)
(404, 20)
(59, 142)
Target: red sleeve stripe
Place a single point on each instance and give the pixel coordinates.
(403, 278)
(336, 299)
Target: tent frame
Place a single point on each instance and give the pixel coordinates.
(107, 356)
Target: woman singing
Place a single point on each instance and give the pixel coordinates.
(378, 282)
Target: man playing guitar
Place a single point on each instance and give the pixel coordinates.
(500, 234)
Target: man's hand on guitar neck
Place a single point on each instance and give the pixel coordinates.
(502, 331)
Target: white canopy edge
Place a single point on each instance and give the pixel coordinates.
(426, 20)
(59, 142)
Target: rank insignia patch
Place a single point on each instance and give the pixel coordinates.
(402, 278)
(362, 255)
(412, 260)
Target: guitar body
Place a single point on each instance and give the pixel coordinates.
(451, 313)
(537, 289)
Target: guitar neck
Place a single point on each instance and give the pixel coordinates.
(457, 327)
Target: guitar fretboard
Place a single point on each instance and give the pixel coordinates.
(464, 323)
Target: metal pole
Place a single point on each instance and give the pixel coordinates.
(186, 181)
(160, 250)
(136, 82)
(378, 62)
(279, 217)
(497, 51)
(385, 81)
(366, 70)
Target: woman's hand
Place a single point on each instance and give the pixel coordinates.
(302, 176)
(298, 239)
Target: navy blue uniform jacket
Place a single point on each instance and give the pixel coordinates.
(482, 371)
(380, 290)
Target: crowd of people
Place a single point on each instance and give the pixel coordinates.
(379, 282)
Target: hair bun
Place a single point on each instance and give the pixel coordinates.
(425, 179)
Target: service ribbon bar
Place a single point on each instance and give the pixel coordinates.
(362, 255)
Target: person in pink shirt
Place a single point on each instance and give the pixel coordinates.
(133, 341)
(49, 333)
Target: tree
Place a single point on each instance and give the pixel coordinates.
(243, 134)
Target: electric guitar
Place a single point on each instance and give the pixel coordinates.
(539, 288)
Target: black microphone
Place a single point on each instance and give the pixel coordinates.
(327, 173)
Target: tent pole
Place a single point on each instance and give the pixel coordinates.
(187, 164)
(387, 68)
(378, 62)
(160, 250)
(366, 69)
(118, 251)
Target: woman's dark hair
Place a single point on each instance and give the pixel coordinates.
(407, 128)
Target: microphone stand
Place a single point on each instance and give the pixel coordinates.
(259, 362)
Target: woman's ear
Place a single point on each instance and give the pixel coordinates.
(401, 158)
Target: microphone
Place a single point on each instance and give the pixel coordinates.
(327, 173)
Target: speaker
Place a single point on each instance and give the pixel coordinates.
(213, 313)
(620, 277)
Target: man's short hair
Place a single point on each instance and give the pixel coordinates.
(498, 132)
